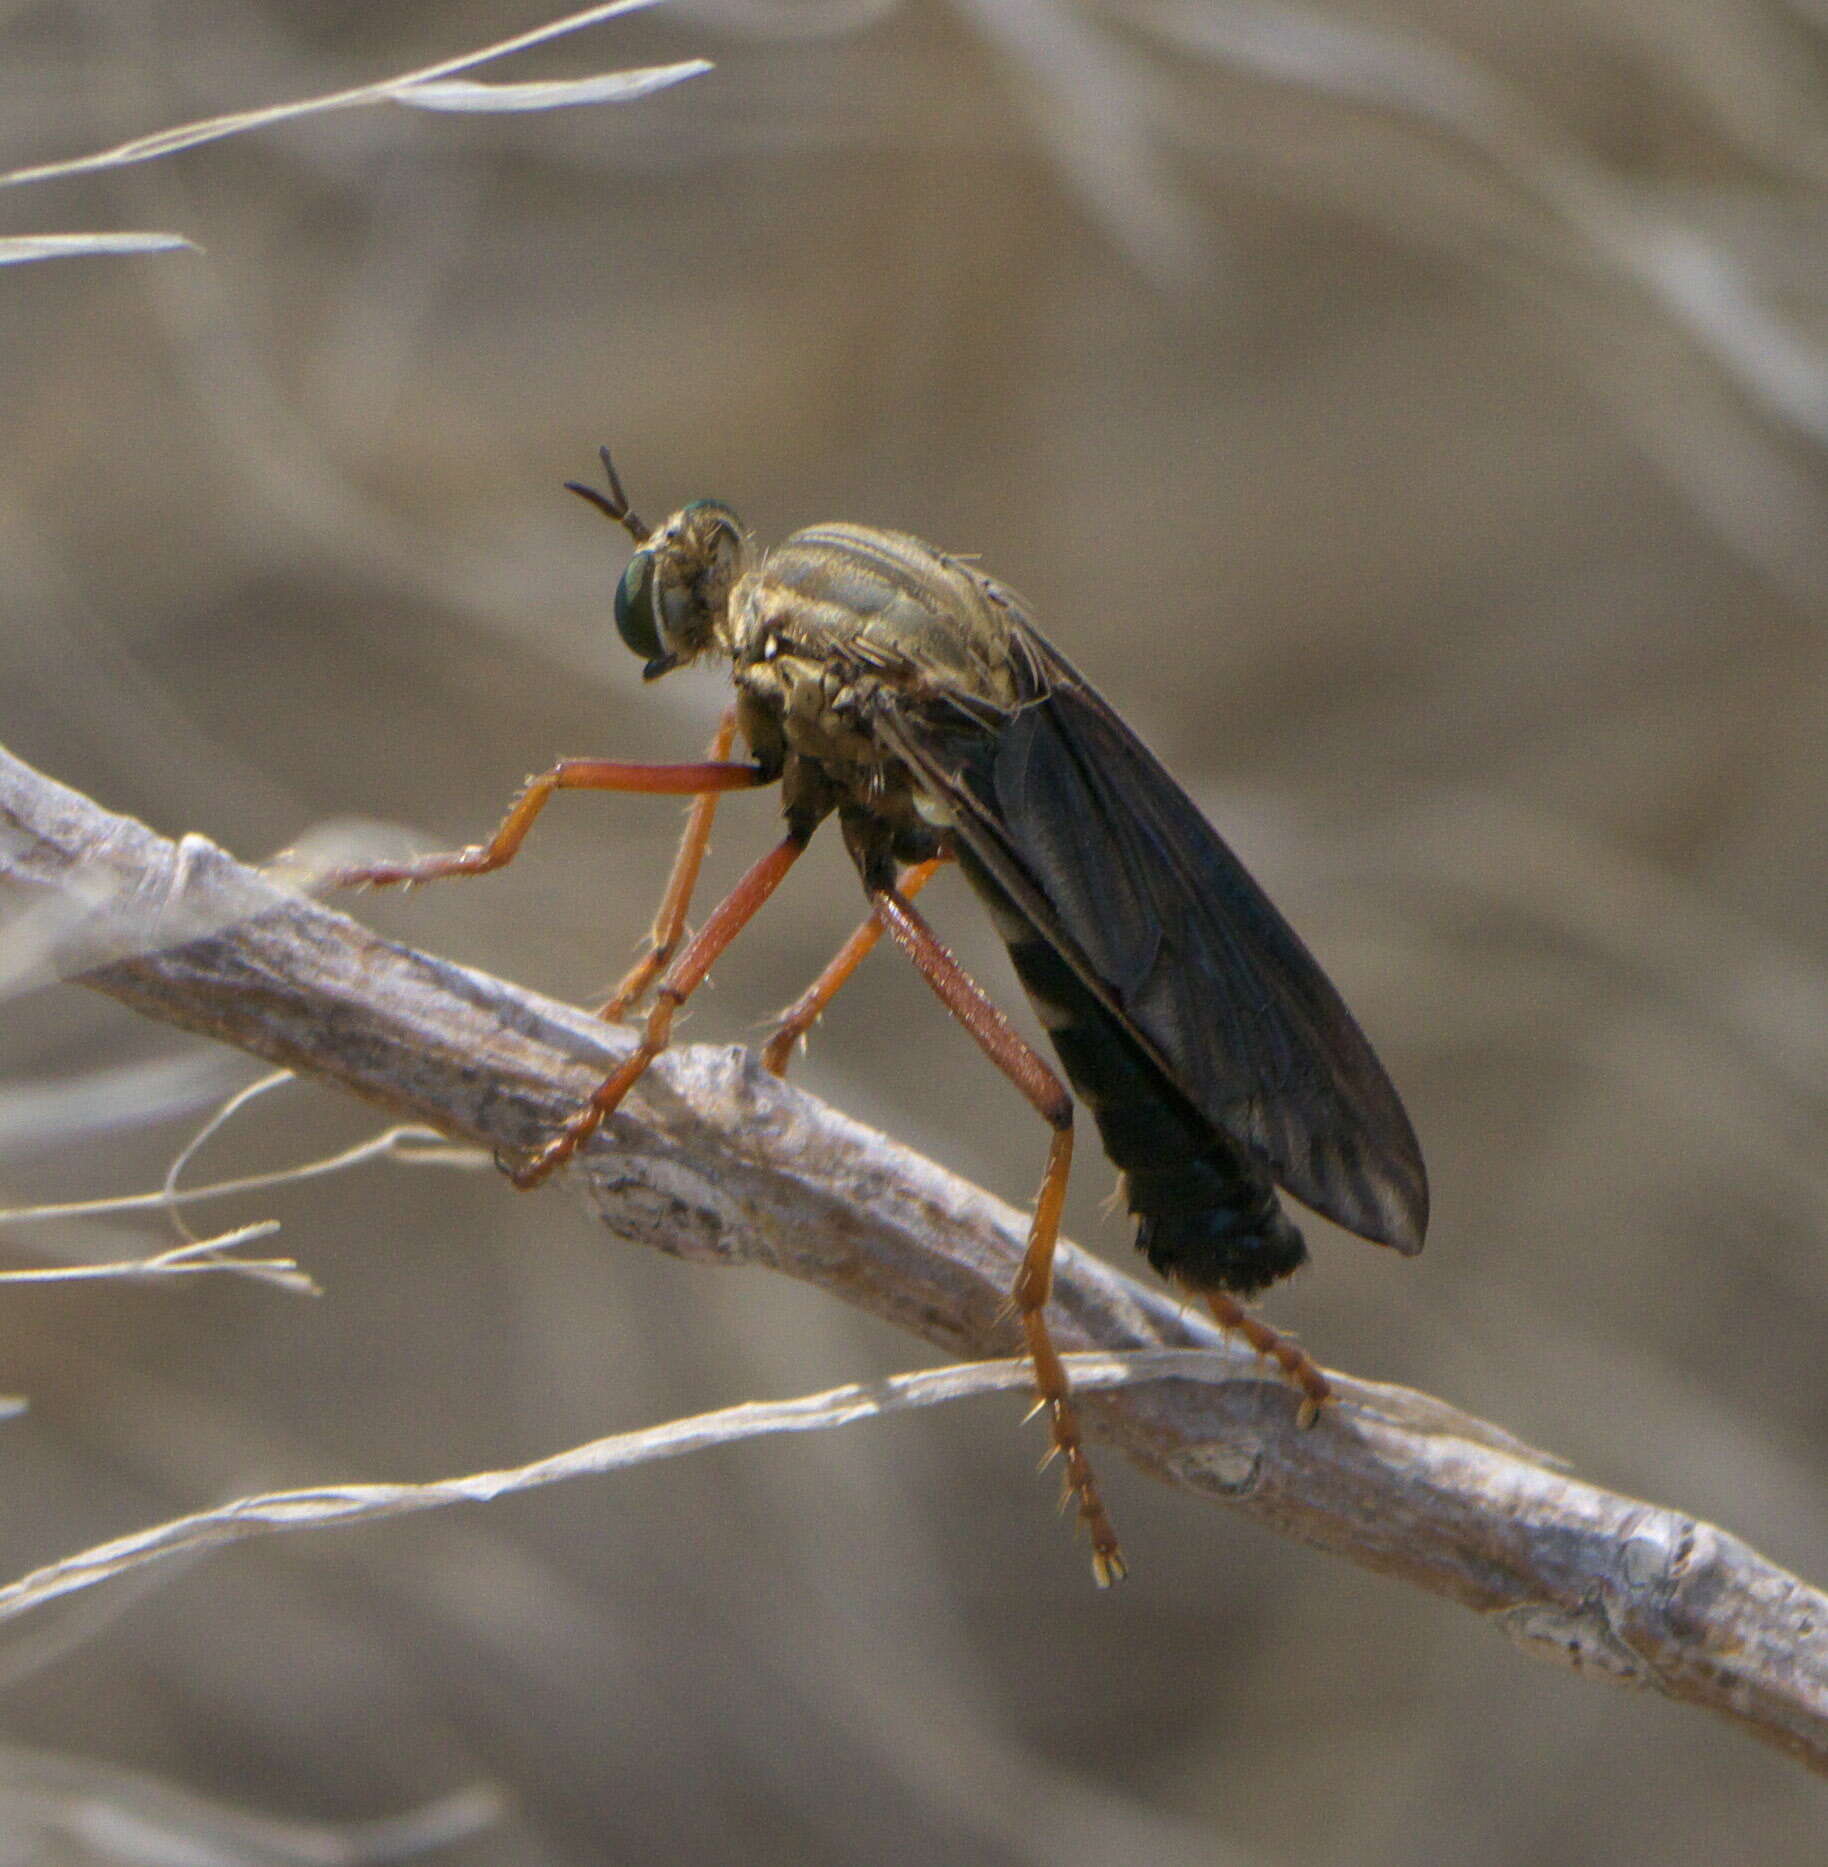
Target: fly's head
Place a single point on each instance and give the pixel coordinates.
(674, 598)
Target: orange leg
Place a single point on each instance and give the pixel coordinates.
(687, 973)
(1294, 1361)
(571, 774)
(806, 1010)
(669, 918)
(1047, 1095)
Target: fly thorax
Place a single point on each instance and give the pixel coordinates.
(822, 705)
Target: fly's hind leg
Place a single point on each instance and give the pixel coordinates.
(1298, 1366)
(1047, 1095)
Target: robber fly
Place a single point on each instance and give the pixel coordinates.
(908, 694)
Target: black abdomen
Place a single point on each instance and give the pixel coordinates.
(1208, 1216)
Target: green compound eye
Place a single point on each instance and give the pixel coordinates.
(635, 619)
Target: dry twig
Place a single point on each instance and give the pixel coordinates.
(718, 1162)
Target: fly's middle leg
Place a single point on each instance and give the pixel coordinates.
(683, 978)
(794, 1024)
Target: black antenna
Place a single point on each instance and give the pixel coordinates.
(613, 504)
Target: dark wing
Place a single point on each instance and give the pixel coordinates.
(1077, 820)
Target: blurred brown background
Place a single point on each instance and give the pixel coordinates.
(1411, 416)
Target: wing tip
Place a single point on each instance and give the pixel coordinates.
(1382, 1199)
(1405, 1213)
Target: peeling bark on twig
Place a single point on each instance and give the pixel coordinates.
(716, 1160)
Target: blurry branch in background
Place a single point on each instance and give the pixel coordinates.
(321, 1507)
(430, 87)
(407, 1142)
(1686, 298)
(60, 1808)
(276, 461)
(201, 1255)
(1592, 217)
(719, 1163)
(1684, 309)
(17, 249)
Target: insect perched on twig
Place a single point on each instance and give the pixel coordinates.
(907, 693)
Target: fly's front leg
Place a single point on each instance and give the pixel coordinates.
(670, 916)
(798, 1019)
(1047, 1095)
(571, 774)
(688, 972)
